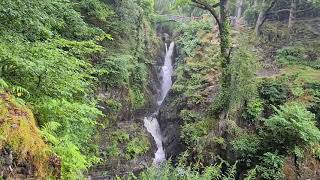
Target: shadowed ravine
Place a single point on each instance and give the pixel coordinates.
(151, 122)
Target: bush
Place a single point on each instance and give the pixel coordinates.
(168, 171)
(247, 145)
(290, 54)
(189, 39)
(189, 116)
(114, 71)
(270, 167)
(274, 92)
(137, 146)
(191, 132)
(253, 109)
(251, 15)
(292, 126)
(314, 107)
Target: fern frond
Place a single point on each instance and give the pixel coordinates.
(3, 84)
(19, 91)
(48, 132)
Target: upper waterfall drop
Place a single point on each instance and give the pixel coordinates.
(166, 74)
(151, 123)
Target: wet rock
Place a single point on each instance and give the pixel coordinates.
(170, 124)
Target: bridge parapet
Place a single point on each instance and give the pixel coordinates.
(181, 18)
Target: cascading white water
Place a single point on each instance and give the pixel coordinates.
(151, 123)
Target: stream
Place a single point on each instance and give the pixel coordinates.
(151, 123)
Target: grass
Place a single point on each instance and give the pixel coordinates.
(304, 73)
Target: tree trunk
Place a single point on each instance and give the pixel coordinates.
(259, 23)
(292, 13)
(238, 12)
(225, 45)
(223, 20)
(262, 16)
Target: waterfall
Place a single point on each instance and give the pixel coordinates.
(151, 123)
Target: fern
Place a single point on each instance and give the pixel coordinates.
(48, 132)
(3, 84)
(19, 91)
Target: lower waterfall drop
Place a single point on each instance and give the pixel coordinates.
(151, 123)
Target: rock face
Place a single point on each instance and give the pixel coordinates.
(308, 169)
(170, 124)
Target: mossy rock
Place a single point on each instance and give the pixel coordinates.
(19, 133)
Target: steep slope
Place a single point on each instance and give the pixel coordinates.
(23, 152)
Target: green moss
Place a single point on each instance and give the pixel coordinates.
(18, 131)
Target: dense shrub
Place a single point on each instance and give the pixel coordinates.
(292, 126)
(290, 54)
(274, 92)
(168, 171)
(251, 15)
(253, 110)
(192, 132)
(247, 145)
(270, 167)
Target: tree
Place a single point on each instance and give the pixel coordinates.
(239, 7)
(292, 13)
(223, 21)
(267, 5)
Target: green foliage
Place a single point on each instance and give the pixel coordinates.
(253, 109)
(95, 9)
(190, 116)
(242, 69)
(187, 40)
(53, 52)
(115, 71)
(314, 107)
(298, 55)
(247, 145)
(251, 15)
(137, 146)
(113, 150)
(168, 171)
(76, 120)
(274, 92)
(137, 97)
(117, 137)
(120, 136)
(241, 86)
(114, 106)
(251, 175)
(68, 127)
(316, 151)
(39, 20)
(74, 162)
(33, 64)
(127, 143)
(290, 54)
(192, 132)
(291, 126)
(270, 167)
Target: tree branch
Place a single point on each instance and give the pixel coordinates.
(298, 11)
(206, 6)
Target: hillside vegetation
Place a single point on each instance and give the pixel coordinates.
(77, 77)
